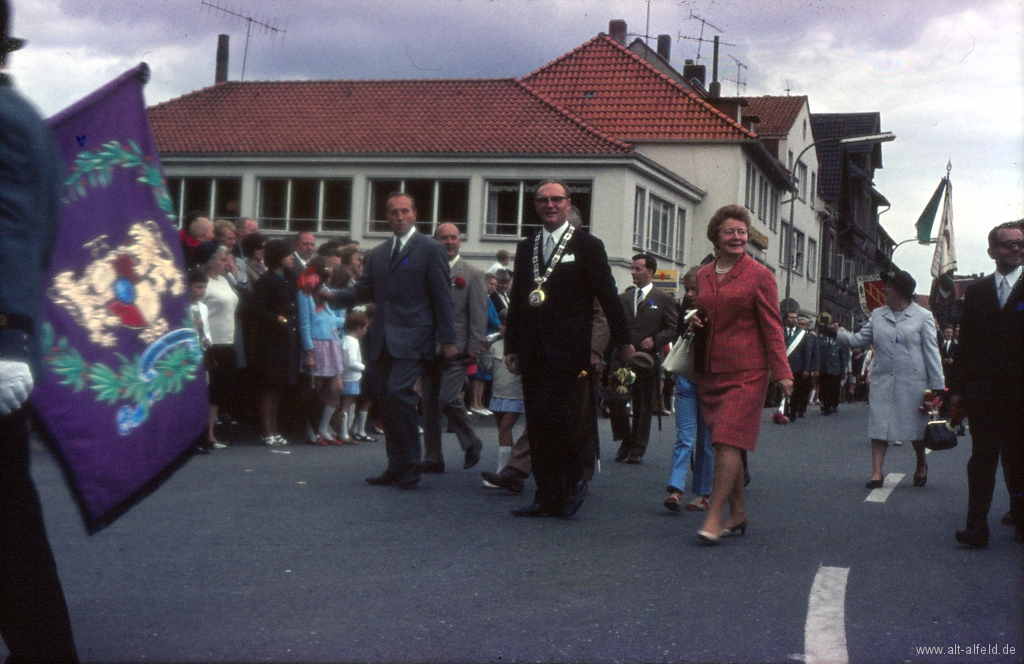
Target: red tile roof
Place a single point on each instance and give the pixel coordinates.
(367, 117)
(610, 88)
(777, 114)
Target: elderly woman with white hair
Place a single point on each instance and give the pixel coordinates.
(221, 301)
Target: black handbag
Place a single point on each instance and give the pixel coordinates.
(939, 436)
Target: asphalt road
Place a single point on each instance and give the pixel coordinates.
(248, 554)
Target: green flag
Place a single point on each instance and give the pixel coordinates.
(927, 219)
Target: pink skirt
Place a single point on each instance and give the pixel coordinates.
(732, 404)
(327, 358)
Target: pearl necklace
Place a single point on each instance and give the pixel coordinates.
(725, 271)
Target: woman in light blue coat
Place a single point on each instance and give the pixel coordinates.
(906, 363)
(321, 343)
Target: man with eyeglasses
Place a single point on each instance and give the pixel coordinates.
(988, 381)
(558, 272)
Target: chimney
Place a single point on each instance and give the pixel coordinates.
(222, 60)
(692, 72)
(715, 89)
(665, 46)
(617, 30)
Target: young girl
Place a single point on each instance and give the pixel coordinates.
(506, 395)
(319, 334)
(355, 329)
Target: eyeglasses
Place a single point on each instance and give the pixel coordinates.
(1010, 244)
(544, 200)
(730, 232)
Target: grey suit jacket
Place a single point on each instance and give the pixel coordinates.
(470, 301)
(413, 299)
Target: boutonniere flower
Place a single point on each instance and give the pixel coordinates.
(459, 282)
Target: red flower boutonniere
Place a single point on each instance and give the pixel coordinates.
(459, 282)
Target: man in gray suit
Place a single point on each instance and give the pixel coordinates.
(407, 279)
(443, 381)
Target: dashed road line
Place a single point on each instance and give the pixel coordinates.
(825, 630)
(888, 484)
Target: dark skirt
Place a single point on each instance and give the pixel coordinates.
(221, 363)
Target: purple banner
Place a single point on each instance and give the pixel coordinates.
(123, 389)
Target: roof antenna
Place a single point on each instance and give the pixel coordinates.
(700, 40)
(739, 76)
(268, 28)
(788, 88)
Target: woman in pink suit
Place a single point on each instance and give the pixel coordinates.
(743, 349)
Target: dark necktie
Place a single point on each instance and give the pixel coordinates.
(396, 250)
(639, 300)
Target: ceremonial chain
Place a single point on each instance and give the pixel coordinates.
(537, 296)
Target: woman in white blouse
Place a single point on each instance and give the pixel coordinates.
(221, 302)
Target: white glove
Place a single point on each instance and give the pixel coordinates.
(15, 385)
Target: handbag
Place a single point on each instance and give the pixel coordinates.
(939, 436)
(679, 360)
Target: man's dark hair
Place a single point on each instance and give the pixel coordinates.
(295, 240)
(650, 262)
(275, 253)
(993, 235)
(947, 326)
(503, 275)
(197, 276)
(253, 243)
(561, 184)
(400, 194)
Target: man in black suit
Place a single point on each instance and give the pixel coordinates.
(303, 249)
(34, 618)
(558, 272)
(988, 381)
(802, 350)
(500, 296)
(651, 318)
(407, 278)
(948, 347)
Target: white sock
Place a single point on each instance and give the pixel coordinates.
(503, 456)
(360, 426)
(351, 413)
(343, 431)
(325, 423)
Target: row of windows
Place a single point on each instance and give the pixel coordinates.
(310, 204)
(761, 198)
(658, 226)
(800, 259)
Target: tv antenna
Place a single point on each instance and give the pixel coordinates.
(739, 76)
(268, 28)
(700, 40)
(788, 88)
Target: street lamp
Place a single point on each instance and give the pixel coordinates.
(868, 139)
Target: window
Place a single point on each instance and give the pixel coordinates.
(798, 251)
(662, 227)
(510, 209)
(762, 197)
(750, 187)
(437, 202)
(805, 130)
(812, 259)
(790, 161)
(640, 219)
(814, 185)
(215, 198)
(773, 211)
(680, 234)
(305, 205)
(801, 179)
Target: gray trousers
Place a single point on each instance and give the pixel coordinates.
(442, 395)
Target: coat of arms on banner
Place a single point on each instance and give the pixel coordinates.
(122, 289)
(869, 288)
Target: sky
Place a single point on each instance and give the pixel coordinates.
(947, 76)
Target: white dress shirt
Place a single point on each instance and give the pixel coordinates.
(555, 235)
(1010, 279)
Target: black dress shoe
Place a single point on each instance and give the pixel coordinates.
(574, 500)
(973, 539)
(634, 458)
(387, 477)
(472, 455)
(409, 479)
(534, 509)
(874, 484)
(433, 467)
(509, 479)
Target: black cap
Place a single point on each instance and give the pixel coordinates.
(901, 281)
(7, 44)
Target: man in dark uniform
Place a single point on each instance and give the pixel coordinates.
(802, 350)
(948, 347)
(558, 272)
(34, 618)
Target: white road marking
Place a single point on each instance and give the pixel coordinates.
(888, 484)
(825, 631)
